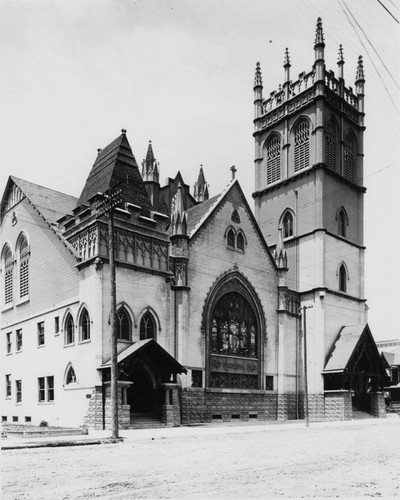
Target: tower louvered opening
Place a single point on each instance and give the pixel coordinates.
(273, 160)
(330, 146)
(302, 146)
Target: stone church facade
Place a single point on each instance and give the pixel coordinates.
(208, 294)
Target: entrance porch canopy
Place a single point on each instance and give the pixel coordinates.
(148, 349)
(354, 354)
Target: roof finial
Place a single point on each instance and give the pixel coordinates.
(200, 191)
(258, 76)
(233, 170)
(340, 55)
(286, 61)
(149, 166)
(123, 130)
(319, 33)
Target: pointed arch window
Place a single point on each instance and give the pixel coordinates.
(8, 264)
(342, 222)
(342, 278)
(147, 326)
(70, 376)
(330, 145)
(84, 326)
(302, 146)
(24, 255)
(69, 330)
(235, 217)
(273, 159)
(230, 237)
(240, 241)
(349, 171)
(124, 326)
(287, 223)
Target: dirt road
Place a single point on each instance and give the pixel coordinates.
(322, 461)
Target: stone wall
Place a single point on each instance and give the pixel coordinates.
(378, 408)
(99, 416)
(338, 405)
(200, 405)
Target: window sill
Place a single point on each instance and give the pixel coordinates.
(69, 345)
(45, 402)
(24, 300)
(9, 354)
(17, 352)
(7, 307)
(41, 346)
(8, 398)
(125, 341)
(85, 341)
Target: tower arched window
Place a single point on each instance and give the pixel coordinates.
(230, 237)
(84, 325)
(69, 330)
(342, 222)
(124, 327)
(8, 264)
(302, 146)
(24, 255)
(273, 159)
(330, 145)
(287, 223)
(349, 170)
(147, 326)
(342, 278)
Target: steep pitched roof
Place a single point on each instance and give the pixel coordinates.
(115, 165)
(344, 346)
(50, 203)
(199, 214)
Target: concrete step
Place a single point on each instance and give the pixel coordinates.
(361, 414)
(144, 421)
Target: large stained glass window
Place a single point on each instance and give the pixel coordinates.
(233, 327)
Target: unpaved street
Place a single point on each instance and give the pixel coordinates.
(335, 460)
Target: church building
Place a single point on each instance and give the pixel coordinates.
(221, 314)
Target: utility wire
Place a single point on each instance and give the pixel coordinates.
(387, 10)
(342, 3)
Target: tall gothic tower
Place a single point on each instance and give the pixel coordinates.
(309, 182)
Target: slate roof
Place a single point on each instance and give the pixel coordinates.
(50, 203)
(116, 165)
(344, 347)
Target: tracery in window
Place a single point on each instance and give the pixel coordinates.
(233, 327)
(8, 264)
(302, 146)
(69, 330)
(349, 171)
(84, 326)
(287, 223)
(342, 278)
(147, 326)
(24, 254)
(273, 159)
(330, 144)
(123, 324)
(235, 240)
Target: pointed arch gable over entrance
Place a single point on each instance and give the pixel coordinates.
(234, 326)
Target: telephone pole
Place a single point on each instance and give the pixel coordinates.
(111, 200)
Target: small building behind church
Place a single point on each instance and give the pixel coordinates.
(219, 309)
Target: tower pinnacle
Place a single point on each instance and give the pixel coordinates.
(149, 166)
(258, 76)
(340, 61)
(319, 34)
(360, 70)
(200, 191)
(178, 215)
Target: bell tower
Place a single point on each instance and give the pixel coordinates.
(309, 181)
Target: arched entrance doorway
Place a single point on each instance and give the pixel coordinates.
(141, 396)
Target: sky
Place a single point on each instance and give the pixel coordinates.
(180, 73)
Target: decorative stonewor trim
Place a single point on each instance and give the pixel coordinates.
(288, 301)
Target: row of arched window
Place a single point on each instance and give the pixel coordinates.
(301, 156)
(16, 263)
(147, 326)
(287, 222)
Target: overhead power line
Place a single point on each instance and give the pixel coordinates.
(387, 10)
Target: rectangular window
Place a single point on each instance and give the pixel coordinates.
(46, 389)
(15, 419)
(4, 419)
(269, 383)
(8, 386)
(28, 419)
(18, 391)
(19, 340)
(40, 333)
(56, 325)
(8, 342)
(197, 378)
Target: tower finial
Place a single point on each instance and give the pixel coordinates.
(233, 169)
(258, 76)
(360, 77)
(340, 61)
(200, 191)
(319, 34)
(286, 65)
(286, 61)
(149, 166)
